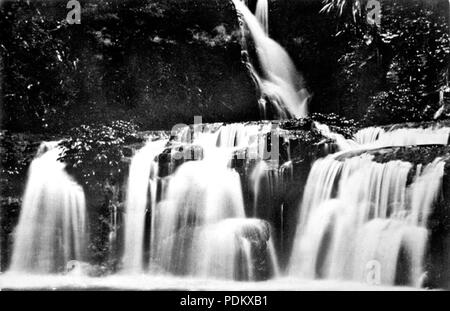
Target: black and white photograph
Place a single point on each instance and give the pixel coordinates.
(219, 146)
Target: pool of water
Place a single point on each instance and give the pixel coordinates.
(144, 282)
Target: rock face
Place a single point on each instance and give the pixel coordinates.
(159, 63)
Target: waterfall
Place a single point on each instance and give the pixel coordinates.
(262, 14)
(368, 135)
(213, 202)
(269, 184)
(280, 80)
(224, 250)
(424, 191)
(357, 212)
(359, 219)
(52, 224)
(343, 143)
(199, 194)
(141, 189)
(198, 222)
(378, 137)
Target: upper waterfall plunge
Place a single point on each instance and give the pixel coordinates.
(52, 224)
(262, 14)
(280, 81)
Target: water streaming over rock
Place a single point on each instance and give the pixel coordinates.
(262, 14)
(342, 143)
(379, 137)
(52, 225)
(279, 81)
(358, 212)
(186, 215)
(141, 194)
(198, 225)
(368, 135)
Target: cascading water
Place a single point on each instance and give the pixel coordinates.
(188, 217)
(186, 214)
(357, 212)
(368, 135)
(52, 224)
(199, 194)
(141, 190)
(199, 226)
(280, 80)
(262, 14)
(378, 137)
(343, 143)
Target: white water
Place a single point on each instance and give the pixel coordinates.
(225, 249)
(378, 137)
(355, 214)
(343, 143)
(52, 224)
(280, 80)
(150, 282)
(199, 194)
(141, 189)
(262, 14)
(199, 226)
(358, 211)
(269, 184)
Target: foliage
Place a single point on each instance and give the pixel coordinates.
(95, 153)
(391, 74)
(156, 63)
(14, 156)
(219, 37)
(350, 17)
(343, 8)
(35, 59)
(336, 60)
(419, 42)
(400, 104)
(362, 64)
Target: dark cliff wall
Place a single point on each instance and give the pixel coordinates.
(347, 67)
(158, 63)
